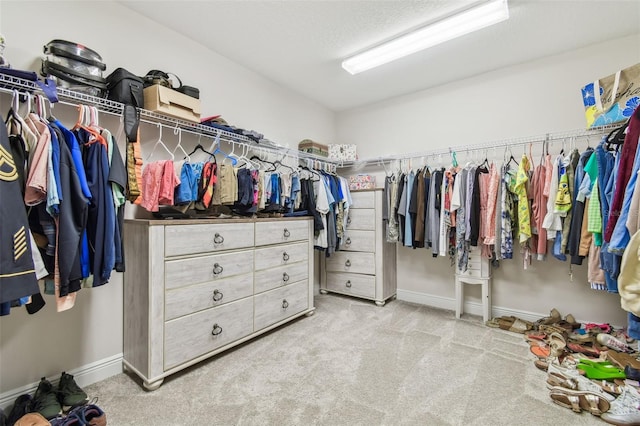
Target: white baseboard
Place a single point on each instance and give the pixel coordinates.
(473, 308)
(84, 376)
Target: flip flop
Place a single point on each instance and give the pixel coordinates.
(579, 400)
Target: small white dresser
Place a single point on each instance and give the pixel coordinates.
(194, 288)
(365, 266)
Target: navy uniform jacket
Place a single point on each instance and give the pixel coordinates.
(17, 275)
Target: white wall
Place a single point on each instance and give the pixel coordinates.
(529, 99)
(44, 344)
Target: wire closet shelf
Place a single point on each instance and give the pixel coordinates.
(72, 98)
(567, 137)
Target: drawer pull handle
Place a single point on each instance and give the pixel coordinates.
(348, 242)
(285, 304)
(285, 256)
(217, 295)
(218, 239)
(216, 330)
(286, 233)
(217, 269)
(285, 277)
(347, 263)
(348, 284)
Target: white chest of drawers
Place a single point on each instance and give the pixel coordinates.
(365, 266)
(193, 289)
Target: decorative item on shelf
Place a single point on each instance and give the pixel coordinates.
(74, 66)
(342, 152)
(612, 99)
(313, 147)
(362, 182)
(3, 61)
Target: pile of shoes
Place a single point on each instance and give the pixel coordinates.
(64, 404)
(591, 367)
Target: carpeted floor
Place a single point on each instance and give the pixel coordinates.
(353, 363)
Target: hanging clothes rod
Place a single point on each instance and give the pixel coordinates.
(506, 143)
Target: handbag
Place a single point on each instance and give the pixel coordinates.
(125, 87)
(612, 99)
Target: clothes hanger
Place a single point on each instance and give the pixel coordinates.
(159, 142)
(199, 147)
(616, 137)
(178, 131)
(243, 157)
(216, 142)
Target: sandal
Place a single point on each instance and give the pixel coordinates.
(579, 400)
(553, 317)
(510, 323)
(548, 329)
(558, 380)
(533, 336)
(622, 359)
(587, 350)
(600, 373)
(570, 319)
(606, 386)
(541, 351)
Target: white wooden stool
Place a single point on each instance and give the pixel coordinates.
(478, 272)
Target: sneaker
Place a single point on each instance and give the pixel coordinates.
(624, 410)
(45, 400)
(21, 406)
(613, 343)
(90, 415)
(69, 393)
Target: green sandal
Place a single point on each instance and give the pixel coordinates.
(600, 372)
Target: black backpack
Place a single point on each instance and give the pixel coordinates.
(126, 88)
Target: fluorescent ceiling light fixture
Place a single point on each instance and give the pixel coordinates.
(465, 22)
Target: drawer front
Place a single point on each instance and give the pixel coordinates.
(270, 257)
(268, 279)
(361, 263)
(276, 305)
(184, 272)
(473, 273)
(281, 231)
(204, 238)
(363, 200)
(194, 335)
(362, 219)
(354, 284)
(187, 300)
(359, 241)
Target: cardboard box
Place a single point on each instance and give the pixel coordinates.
(313, 147)
(167, 101)
(342, 152)
(362, 182)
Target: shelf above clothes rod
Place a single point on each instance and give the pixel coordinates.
(72, 98)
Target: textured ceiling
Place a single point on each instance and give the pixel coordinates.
(300, 44)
